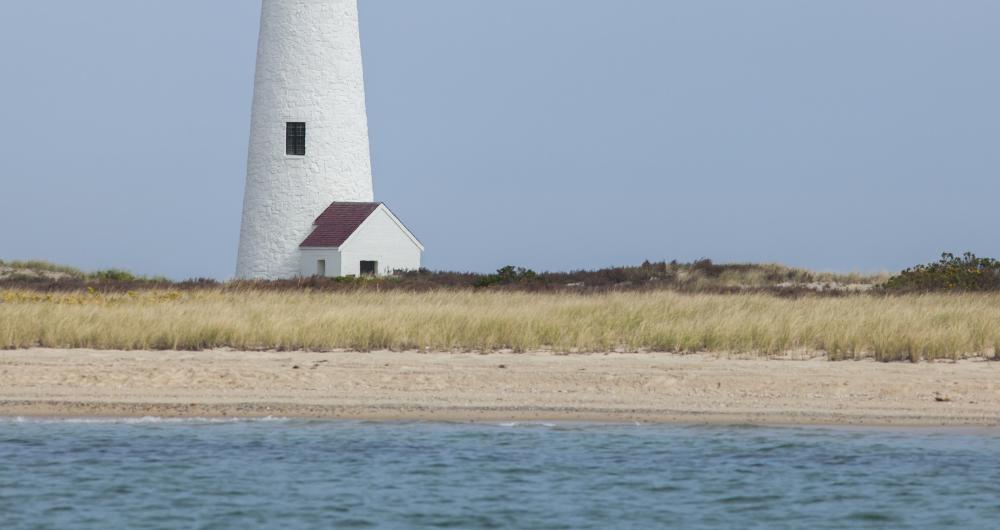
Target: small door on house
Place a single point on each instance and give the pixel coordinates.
(321, 268)
(369, 268)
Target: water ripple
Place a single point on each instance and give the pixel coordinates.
(158, 473)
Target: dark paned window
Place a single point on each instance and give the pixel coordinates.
(295, 139)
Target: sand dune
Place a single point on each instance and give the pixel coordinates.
(470, 387)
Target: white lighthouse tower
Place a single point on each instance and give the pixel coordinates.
(309, 131)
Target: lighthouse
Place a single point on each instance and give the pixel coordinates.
(309, 153)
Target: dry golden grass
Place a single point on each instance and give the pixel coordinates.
(886, 328)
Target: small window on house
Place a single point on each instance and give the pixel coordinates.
(369, 268)
(295, 138)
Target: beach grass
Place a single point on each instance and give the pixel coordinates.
(886, 328)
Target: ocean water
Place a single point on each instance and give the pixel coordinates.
(292, 474)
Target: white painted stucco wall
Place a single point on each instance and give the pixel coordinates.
(310, 258)
(381, 238)
(309, 69)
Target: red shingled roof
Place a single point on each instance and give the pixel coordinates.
(338, 222)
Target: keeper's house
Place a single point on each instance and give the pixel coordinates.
(359, 239)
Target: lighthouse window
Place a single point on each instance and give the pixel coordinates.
(295, 139)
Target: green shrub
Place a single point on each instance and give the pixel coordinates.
(951, 273)
(508, 275)
(114, 275)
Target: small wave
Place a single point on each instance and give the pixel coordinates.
(527, 424)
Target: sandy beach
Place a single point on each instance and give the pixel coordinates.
(497, 387)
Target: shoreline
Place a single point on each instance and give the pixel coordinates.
(66, 410)
(500, 387)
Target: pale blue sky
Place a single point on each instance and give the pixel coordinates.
(554, 134)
